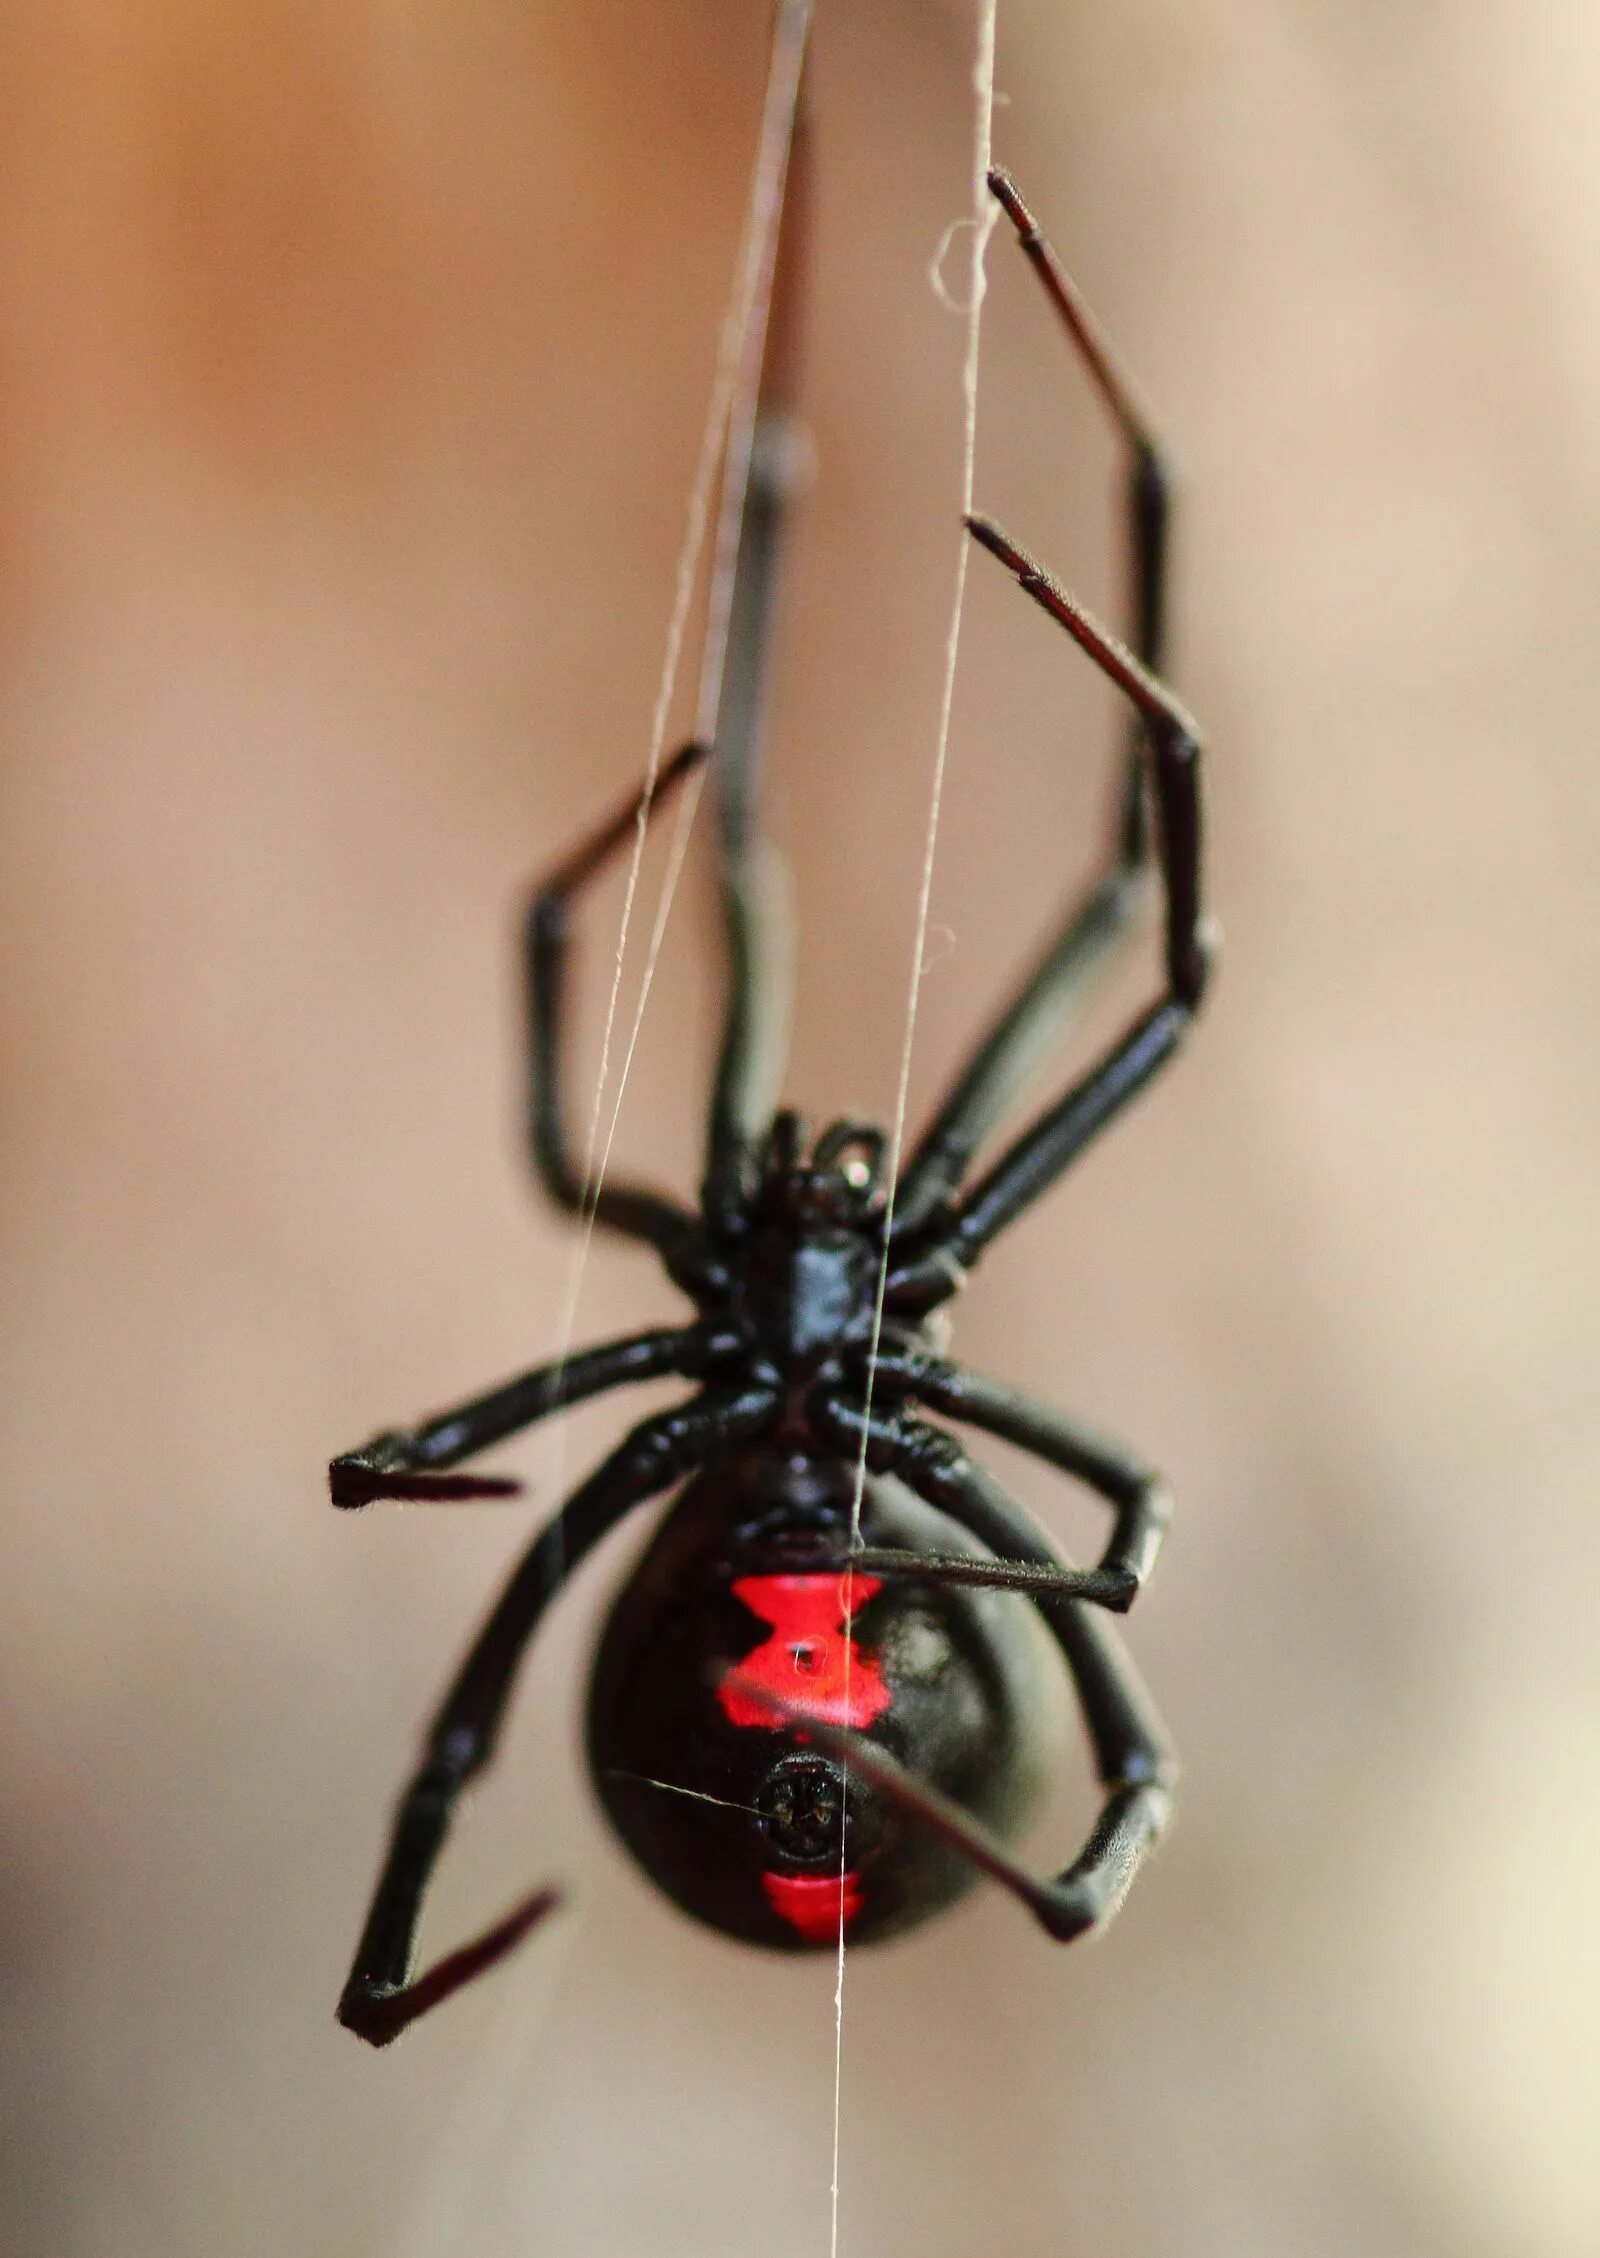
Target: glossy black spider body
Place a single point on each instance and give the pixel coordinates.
(809, 1719)
(756, 1833)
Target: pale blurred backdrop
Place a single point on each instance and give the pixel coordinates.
(353, 366)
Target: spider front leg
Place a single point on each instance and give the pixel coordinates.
(1041, 1012)
(410, 1463)
(381, 1997)
(1149, 475)
(931, 1263)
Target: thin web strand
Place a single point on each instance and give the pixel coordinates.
(688, 567)
(459, 2157)
(677, 853)
(981, 226)
(753, 302)
(728, 435)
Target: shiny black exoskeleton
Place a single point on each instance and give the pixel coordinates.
(730, 1806)
(823, 1699)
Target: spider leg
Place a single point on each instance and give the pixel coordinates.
(1141, 1501)
(381, 1997)
(754, 1038)
(1041, 1011)
(764, 457)
(1132, 1761)
(1132, 1757)
(934, 1465)
(1031, 1164)
(632, 1209)
(1149, 490)
(410, 1462)
(1032, 1026)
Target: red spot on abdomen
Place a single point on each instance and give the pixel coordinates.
(810, 1662)
(817, 1906)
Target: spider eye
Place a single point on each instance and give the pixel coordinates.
(852, 1151)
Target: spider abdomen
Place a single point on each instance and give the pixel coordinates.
(728, 1806)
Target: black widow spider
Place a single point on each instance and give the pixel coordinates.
(811, 1715)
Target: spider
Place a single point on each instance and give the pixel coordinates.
(815, 1714)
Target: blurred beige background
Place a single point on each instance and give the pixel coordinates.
(353, 365)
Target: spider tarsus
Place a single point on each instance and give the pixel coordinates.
(356, 1477)
(363, 1478)
(989, 536)
(1004, 190)
(1031, 577)
(547, 911)
(379, 2014)
(683, 760)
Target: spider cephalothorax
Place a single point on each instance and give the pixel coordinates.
(805, 1270)
(821, 1700)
